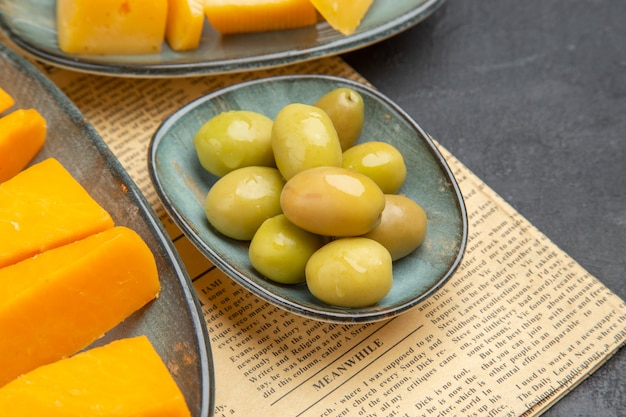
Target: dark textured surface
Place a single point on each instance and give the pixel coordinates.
(530, 96)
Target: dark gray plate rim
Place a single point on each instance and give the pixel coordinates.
(338, 315)
(298, 53)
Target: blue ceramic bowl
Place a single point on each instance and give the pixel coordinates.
(182, 184)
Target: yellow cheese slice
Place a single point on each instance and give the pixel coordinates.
(6, 101)
(111, 26)
(60, 301)
(239, 16)
(343, 15)
(22, 135)
(185, 19)
(43, 207)
(125, 378)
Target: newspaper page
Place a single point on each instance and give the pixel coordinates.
(516, 328)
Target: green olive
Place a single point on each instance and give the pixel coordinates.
(304, 137)
(350, 272)
(240, 201)
(380, 161)
(402, 227)
(332, 201)
(234, 139)
(345, 108)
(280, 250)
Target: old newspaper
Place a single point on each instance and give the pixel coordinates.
(516, 328)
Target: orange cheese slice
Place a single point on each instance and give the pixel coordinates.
(185, 19)
(125, 378)
(60, 301)
(6, 101)
(238, 16)
(343, 15)
(22, 135)
(111, 26)
(44, 207)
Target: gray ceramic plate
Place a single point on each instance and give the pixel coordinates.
(182, 185)
(31, 25)
(173, 322)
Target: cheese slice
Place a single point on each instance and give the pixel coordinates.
(22, 135)
(44, 207)
(239, 16)
(185, 19)
(6, 101)
(125, 378)
(111, 26)
(343, 15)
(60, 301)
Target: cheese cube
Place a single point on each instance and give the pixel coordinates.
(111, 26)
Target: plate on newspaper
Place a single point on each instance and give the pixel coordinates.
(31, 26)
(182, 185)
(182, 342)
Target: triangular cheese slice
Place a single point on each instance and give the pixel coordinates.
(343, 15)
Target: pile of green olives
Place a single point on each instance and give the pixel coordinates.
(315, 205)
